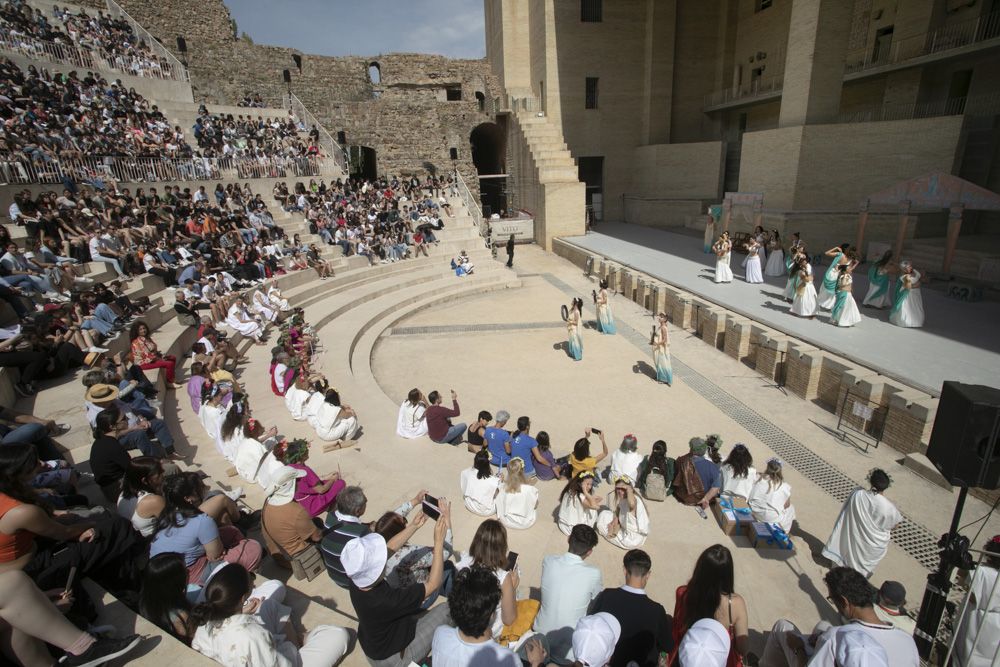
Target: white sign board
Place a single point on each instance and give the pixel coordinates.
(523, 230)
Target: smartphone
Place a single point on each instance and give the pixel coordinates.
(430, 507)
(70, 579)
(595, 430)
(511, 560)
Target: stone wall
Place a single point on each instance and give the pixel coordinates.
(405, 117)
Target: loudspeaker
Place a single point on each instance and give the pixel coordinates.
(286, 75)
(181, 44)
(965, 441)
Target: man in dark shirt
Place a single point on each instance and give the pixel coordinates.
(108, 458)
(439, 426)
(510, 251)
(645, 623)
(391, 630)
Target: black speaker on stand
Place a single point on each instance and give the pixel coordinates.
(965, 448)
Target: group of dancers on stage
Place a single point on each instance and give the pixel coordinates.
(836, 289)
(659, 339)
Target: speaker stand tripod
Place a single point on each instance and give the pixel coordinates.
(932, 606)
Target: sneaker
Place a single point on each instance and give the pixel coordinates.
(97, 350)
(101, 652)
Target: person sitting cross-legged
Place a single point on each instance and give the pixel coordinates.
(697, 480)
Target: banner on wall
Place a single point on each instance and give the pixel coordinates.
(522, 228)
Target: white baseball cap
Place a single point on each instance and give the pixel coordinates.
(595, 638)
(857, 648)
(364, 559)
(705, 644)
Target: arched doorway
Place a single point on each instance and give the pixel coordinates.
(374, 73)
(481, 101)
(488, 143)
(361, 160)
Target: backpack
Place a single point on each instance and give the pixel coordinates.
(659, 483)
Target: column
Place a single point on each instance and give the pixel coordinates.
(814, 61)
(954, 227)
(862, 223)
(904, 222)
(727, 213)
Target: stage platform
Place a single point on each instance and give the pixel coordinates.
(959, 341)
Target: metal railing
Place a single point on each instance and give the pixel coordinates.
(327, 144)
(945, 38)
(19, 169)
(979, 105)
(511, 103)
(75, 56)
(756, 88)
(180, 71)
(471, 204)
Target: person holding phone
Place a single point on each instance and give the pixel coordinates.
(581, 460)
(489, 550)
(439, 425)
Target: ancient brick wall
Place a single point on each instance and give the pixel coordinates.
(406, 117)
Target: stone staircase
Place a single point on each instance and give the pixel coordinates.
(545, 141)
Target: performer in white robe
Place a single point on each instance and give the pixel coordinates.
(296, 397)
(754, 275)
(211, 416)
(333, 421)
(480, 485)
(264, 307)
(908, 306)
(845, 310)
(862, 532)
(240, 319)
(776, 257)
(254, 461)
(517, 502)
(770, 497)
(276, 299)
(626, 523)
(578, 504)
(804, 300)
(410, 423)
(723, 249)
(737, 472)
(880, 283)
(313, 403)
(978, 636)
(826, 294)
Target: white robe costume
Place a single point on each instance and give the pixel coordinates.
(248, 456)
(768, 505)
(723, 274)
(211, 417)
(411, 423)
(975, 646)
(312, 405)
(804, 301)
(278, 301)
(295, 401)
(263, 306)
(250, 329)
(633, 531)
(736, 486)
(518, 510)
(330, 426)
(861, 534)
(479, 494)
(572, 512)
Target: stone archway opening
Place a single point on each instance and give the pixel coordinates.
(374, 73)
(488, 143)
(362, 162)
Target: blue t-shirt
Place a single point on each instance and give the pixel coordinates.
(189, 539)
(709, 473)
(495, 439)
(522, 446)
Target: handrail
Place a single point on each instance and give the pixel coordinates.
(756, 88)
(944, 38)
(513, 103)
(471, 204)
(327, 143)
(19, 169)
(979, 105)
(151, 42)
(71, 54)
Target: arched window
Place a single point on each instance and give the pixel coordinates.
(481, 101)
(375, 73)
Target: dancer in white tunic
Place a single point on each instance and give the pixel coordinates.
(795, 255)
(737, 472)
(826, 295)
(776, 257)
(770, 498)
(978, 637)
(297, 396)
(626, 459)
(879, 283)
(332, 420)
(410, 423)
(240, 319)
(862, 532)
(754, 275)
(577, 503)
(480, 485)
(276, 299)
(626, 523)
(213, 412)
(804, 301)
(722, 250)
(908, 306)
(517, 502)
(845, 310)
(264, 307)
(252, 456)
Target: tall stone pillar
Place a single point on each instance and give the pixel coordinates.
(814, 61)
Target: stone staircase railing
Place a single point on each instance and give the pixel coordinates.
(327, 143)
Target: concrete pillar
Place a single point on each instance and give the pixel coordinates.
(818, 33)
(954, 227)
(862, 223)
(772, 356)
(803, 365)
(904, 221)
(712, 326)
(727, 214)
(910, 420)
(737, 337)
